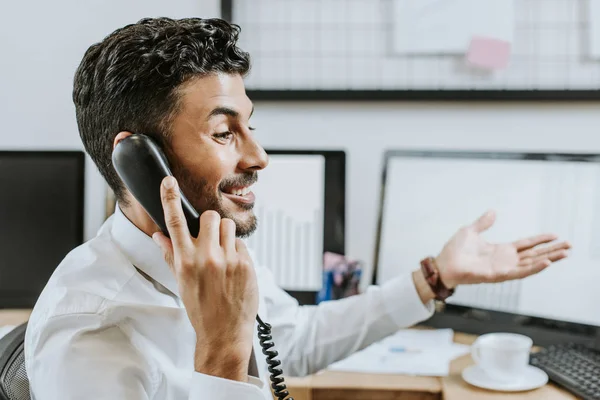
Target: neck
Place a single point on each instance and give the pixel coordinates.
(139, 217)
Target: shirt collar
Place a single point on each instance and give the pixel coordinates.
(142, 251)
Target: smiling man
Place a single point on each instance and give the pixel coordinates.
(132, 314)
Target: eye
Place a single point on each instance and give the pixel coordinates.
(251, 128)
(223, 135)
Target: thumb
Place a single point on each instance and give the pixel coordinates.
(485, 221)
(166, 246)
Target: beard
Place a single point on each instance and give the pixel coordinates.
(204, 196)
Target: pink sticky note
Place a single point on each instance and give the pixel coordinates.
(488, 53)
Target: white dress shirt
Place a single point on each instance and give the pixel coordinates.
(109, 325)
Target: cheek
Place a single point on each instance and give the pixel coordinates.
(213, 166)
(205, 159)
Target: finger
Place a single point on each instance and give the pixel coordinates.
(210, 230)
(558, 255)
(538, 251)
(485, 221)
(553, 256)
(244, 260)
(527, 255)
(534, 268)
(528, 243)
(241, 249)
(174, 217)
(166, 246)
(553, 248)
(228, 237)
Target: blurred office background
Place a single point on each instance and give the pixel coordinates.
(390, 124)
(43, 42)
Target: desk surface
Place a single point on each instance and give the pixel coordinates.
(14, 317)
(330, 385)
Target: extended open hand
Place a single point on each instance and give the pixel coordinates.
(467, 258)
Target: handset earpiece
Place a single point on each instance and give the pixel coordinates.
(142, 165)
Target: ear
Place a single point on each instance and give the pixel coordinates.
(121, 136)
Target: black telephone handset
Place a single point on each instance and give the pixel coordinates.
(142, 165)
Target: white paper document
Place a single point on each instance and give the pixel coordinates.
(408, 352)
(422, 27)
(594, 30)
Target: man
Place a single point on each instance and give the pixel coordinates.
(132, 314)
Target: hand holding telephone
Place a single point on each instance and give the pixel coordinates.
(142, 166)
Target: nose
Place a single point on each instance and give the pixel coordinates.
(254, 157)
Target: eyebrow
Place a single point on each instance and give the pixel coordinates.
(230, 112)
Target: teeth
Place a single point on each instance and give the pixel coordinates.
(241, 192)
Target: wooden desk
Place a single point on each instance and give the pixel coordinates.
(330, 385)
(13, 317)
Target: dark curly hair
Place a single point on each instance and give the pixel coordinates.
(129, 81)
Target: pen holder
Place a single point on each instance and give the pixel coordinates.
(341, 277)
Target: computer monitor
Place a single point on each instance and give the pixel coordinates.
(428, 195)
(300, 207)
(41, 219)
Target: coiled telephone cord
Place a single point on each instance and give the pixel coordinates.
(266, 342)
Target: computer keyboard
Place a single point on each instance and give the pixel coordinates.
(573, 366)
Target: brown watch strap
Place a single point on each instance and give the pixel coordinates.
(432, 276)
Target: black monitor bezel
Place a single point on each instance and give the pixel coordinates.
(544, 331)
(27, 299)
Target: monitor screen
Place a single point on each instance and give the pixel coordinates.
(428, 196)
(41, 219)
(299, 205)
(289, 208)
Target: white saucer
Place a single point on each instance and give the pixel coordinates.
(532, 378)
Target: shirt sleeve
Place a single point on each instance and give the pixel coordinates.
(210, 387)
(309, 338)
(76, 357)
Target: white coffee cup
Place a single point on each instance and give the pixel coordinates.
(502, 356)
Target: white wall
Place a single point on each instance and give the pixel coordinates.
(42, 42)
(36, 110)
(365, 130)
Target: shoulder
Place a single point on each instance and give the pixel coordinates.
(78, 296)
(89, 275)
(82, 288)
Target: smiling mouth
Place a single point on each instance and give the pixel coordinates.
(239, 194)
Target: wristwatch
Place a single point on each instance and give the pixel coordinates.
(432, 276)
